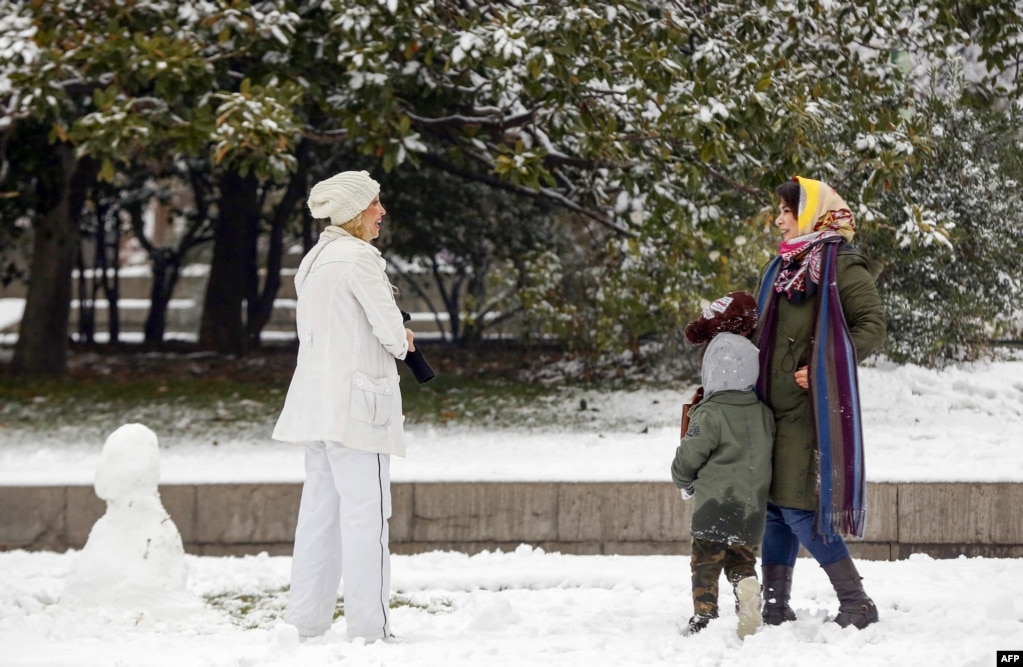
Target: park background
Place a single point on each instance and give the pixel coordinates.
(584, 175)
(566, 185)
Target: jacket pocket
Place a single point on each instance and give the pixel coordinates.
(372, 399)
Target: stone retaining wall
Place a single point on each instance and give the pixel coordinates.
(944, 520)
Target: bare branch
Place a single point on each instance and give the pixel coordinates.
(325, 136)
(755, 193)
(491, 119)
(549, 194)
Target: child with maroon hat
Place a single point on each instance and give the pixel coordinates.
(724, 462)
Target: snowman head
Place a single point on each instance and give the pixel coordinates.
(129, 464)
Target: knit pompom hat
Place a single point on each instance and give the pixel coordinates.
(735, 313)
(343, 196)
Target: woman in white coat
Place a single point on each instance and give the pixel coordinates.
(344, 405)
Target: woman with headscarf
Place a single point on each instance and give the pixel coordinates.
(820, 314)
(344, 405)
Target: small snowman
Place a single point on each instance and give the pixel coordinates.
(134, 558)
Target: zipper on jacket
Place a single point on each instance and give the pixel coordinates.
(788, 362)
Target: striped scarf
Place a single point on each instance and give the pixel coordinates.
(834, 395)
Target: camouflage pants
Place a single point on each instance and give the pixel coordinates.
(708, 560)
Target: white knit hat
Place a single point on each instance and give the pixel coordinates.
(343, 196)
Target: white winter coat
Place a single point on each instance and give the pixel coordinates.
(350, 331)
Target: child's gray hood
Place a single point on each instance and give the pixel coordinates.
(731, 363)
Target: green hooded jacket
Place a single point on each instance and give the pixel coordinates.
(725, 454)
(794, 482)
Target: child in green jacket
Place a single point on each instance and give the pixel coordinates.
(724, 462)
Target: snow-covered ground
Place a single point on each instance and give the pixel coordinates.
(521, 608)
(534, 608)
(959, 424)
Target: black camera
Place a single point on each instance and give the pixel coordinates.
(416, 362)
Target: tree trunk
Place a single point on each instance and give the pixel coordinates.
(109, 272)
(233, 270)
(86, 302)
(165, 277)
(165, 262)
(261, 308)
(43, 336)
(450, 290)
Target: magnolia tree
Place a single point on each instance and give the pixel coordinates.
(664, 127)
(660, 129)
(951, 260)
(89, 91)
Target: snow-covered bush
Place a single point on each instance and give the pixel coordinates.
(951, 262)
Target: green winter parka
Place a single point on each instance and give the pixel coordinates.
(726, 455)
(794, 482)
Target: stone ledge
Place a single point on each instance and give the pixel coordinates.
(944, 520)
(961, 513)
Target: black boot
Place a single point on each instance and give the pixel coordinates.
(696, 623)
(777, 588)
(854, 606)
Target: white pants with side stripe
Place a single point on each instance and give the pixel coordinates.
(342, 533)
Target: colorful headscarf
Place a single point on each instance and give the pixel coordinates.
(820, 207)
(823, 217)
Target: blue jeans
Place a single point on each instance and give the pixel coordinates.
(787, 528)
